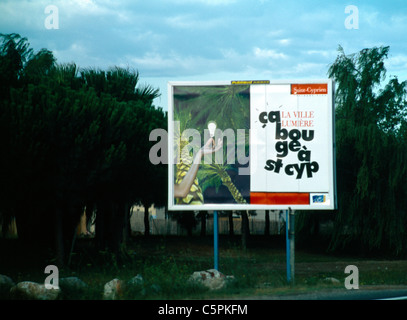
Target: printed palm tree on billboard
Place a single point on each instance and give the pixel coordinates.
(228, 107)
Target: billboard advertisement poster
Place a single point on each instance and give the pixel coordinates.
(248, 145)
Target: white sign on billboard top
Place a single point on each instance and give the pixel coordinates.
(247, 145)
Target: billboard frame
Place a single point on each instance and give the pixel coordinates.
(227, 206)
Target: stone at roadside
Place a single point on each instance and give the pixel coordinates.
(135, 286)
(114, 289)
(135, 281)
(6, 283)
(332, 280)
(212, 279)
(72, 285)
(28, 290)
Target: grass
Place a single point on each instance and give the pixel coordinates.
(165, 263)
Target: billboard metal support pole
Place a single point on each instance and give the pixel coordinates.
(215, 240)
(290, 245)
(287, 247)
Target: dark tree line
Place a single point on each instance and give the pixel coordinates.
(73, 140)
(371, 154)
(78, 139)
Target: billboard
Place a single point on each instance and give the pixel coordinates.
(249, 145)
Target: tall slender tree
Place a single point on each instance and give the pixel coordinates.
(371, 152)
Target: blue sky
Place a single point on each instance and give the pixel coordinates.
(177, 40)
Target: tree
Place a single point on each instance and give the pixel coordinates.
(231, 227)
(371, 153)
(186, 220)
(15, 51)
(73, 140)
(245, 228)
(153, 185)
(25, 163)
(202, 216)
(267, 223)
(137, 180)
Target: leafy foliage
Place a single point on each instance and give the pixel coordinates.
(228, 106)
(371, 153)
(73, 139)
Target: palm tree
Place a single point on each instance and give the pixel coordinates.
(185, 161)
(184, 164)
(121, 83)
(229, 107)
(216, 174)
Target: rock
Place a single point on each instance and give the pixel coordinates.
(113, 290)
(5, 280)
(28, 290)
(136, 281)
(332, 280)
(6, 283)
(72, 285)
(212, 279)
(135, 286)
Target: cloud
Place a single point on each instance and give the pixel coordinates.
(172, 64)
(88, 7)
(193, 22)
(275, 33)
(284, 42)
(155, 61)
(22, 14)
(370, 17)
(397, 63)
(397, 66)
(71, 54)
(209, 38)
(268, 53)
(321, 53)
(399, 20)
(228, 60)
(206, 2)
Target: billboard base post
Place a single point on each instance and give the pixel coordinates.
(215, 240)
(290, 245)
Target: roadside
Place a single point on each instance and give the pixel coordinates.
(364, 293)
(259, 271)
